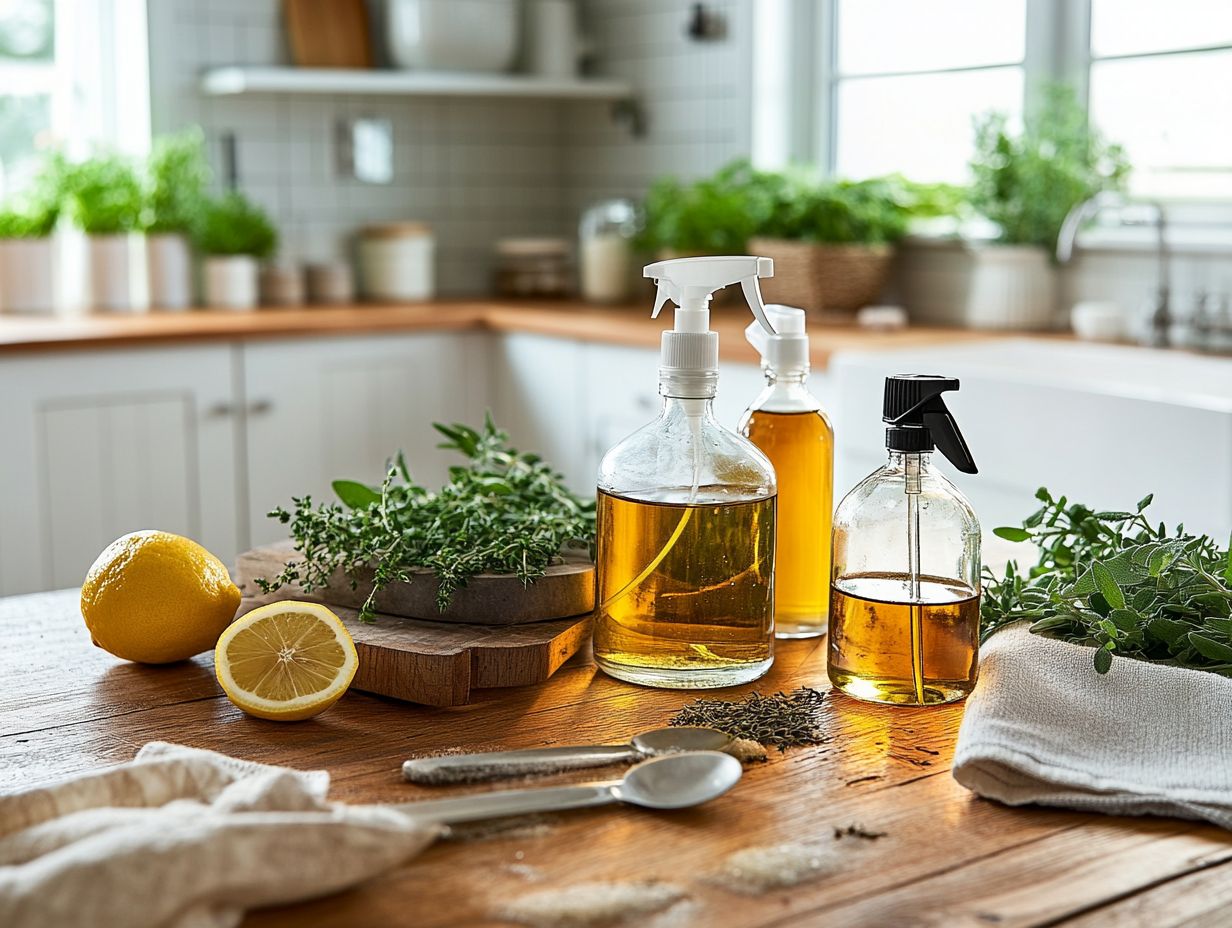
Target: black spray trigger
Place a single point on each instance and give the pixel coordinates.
(949, 440)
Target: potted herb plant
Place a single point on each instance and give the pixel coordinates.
(233, 234)
(27, 250)
(1024, 182)
(176, 175)
(104, 200)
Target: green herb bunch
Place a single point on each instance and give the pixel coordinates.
(1114, 581)
(34, 213)
(501, 512)
(104, 195)
(1028, 181)
(234, 225)
(176, 175)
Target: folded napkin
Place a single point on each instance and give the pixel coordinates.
(186, 838)
(1042, 727)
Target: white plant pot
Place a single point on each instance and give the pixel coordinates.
(230, 281)
(452, 35)
(978, 286)
(112, 259)
(28, 275)
(169, 269)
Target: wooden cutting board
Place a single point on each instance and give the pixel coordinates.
(568, 589)
(328, 33)
(440, 663)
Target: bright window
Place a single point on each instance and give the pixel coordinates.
(909, 78)
(1161, 84)
(27, 84)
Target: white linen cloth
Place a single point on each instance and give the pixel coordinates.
(1042, 727)
(186, 838)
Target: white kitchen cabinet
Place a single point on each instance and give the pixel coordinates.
(104, 443)
(317, 410)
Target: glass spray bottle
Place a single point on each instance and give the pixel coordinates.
(905, 597)
(686, 513)
(787, 422)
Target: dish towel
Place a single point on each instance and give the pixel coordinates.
(1042, 727)
(187, 838)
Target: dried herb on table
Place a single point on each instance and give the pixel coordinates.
(1116, 582)
(501, 512)
(783, 720)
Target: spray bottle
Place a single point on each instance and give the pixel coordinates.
(686, 512)
(787, 423)
(905, 599)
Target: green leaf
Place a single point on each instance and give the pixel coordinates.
(1227, 567)
(1010, 533)
(1145, 501)
(1124, 619)
(1167, 630)
(1108, 586)
(356, 495)
(1103, 660)
(1209, 647)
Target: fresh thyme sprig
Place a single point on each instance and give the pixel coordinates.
(1114, 581)
(501, 512)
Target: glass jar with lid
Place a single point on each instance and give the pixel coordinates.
(605, 251)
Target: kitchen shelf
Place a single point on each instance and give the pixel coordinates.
(231, 81)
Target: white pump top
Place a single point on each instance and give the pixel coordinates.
(689, 354)
(786, 351)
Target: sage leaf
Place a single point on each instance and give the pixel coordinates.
(1009, 533)
(1103, 660)
(1108, 586)
(1209, 647)
(355, 495)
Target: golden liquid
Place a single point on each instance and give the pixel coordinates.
(885, 649)
(800, 445)
(685, 592)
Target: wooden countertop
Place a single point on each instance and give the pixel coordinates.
(629, 325)
(946, 857)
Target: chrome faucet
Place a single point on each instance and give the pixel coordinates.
(1161, 316)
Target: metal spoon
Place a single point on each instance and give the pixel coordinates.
(673, 781)
(474, 768)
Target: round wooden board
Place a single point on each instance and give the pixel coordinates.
(567, 589)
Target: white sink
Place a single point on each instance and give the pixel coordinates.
(1103, 424)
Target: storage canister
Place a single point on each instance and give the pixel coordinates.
(533, 267)
(395, 262)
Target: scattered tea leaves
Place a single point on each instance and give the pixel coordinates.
(782, 720)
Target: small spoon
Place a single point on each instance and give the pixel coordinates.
(494, 765)
(673, 781)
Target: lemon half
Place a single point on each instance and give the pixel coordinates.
(286, 661)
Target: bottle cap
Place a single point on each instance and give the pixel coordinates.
(919, 420)
(787, 350)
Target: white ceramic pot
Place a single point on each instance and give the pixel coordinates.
(28, 275)
(112, 259)
(169, 270)
(978, 286)
(452, 35)
(230, 281)
(396, 262)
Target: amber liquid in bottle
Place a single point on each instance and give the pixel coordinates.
(800, 445)
(685, 591)
(886, 648)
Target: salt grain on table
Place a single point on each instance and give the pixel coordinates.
(756, 870)
(590, 905)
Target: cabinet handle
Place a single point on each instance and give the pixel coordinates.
(259, 407)
(219, 410)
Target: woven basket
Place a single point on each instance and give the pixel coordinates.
(836, 278)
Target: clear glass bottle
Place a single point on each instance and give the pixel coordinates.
(788, 424)
(905, 596)
(686, 513)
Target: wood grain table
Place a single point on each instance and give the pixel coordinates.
(946, 857)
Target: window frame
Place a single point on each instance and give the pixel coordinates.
(1057, 48)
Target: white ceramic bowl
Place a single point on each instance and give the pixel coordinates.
(452, 35)
(1098, 320)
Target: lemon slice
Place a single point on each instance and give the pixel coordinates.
(286, 661)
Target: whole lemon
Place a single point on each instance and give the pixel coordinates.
(155, 598)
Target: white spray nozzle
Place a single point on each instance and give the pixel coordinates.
(786, 350)
(690, 282)
(689, 359)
